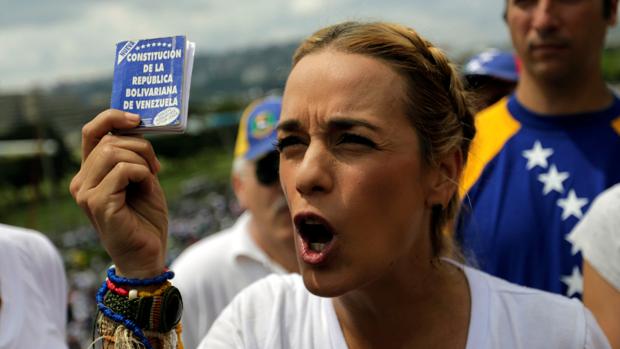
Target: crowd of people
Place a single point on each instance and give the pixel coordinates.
(384, 205)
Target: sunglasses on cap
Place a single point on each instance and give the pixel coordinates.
(267, 168)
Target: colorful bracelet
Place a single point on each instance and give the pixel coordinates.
(133, 293)
(119, 280)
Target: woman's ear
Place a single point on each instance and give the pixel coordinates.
(444, 179)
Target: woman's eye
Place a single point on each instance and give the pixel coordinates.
(288, 141)
(348, 138)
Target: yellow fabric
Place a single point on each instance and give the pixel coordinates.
(616, 125)
(242, 145)
(179, 331)
(494, 127)
(157, 292)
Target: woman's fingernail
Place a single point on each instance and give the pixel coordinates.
(132, 117)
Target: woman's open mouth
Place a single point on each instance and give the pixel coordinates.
(316, 238)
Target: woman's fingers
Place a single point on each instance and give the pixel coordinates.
(130, 216)
(109, 196)
(110, 150)
(136, 144)
(104, 123)
(103, 159)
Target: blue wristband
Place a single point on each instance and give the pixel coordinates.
(119, 280)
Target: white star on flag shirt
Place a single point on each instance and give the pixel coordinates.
(537, 156)
(574, 282)
(572, 205)
(553, 180)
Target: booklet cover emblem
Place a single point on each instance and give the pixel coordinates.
(152, 79)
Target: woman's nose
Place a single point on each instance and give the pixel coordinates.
(314, 173)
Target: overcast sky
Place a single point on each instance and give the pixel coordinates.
(47, 41)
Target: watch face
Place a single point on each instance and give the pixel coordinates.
(172, 308)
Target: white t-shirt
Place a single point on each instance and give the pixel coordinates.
(597, 235)
(33, 288)
(212, 271)
(279, 313)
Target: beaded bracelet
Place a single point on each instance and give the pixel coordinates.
(119, 280)
(133, 293)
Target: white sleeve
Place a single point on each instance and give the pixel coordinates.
(253, 319)
(595, 339)
(225, 333)
(597, 235)
(199, 298)
(197, 314)
(53, 279)
(34, 312)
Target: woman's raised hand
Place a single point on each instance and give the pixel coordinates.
(118, 189)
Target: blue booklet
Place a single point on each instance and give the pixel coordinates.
(152, 79)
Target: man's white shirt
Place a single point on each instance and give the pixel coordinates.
(212, 271)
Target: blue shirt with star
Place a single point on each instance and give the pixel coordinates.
(529, 179)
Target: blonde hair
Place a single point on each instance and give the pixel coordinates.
(435, 98)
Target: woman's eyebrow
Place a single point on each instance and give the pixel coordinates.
(345, 123)
(289, 126)
(337, 123)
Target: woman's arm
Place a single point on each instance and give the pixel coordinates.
(117, 188)
(604, 302)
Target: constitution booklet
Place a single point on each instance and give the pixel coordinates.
(152, 79)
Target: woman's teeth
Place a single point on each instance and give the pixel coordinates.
(312, 221)
(317, 246)
(316, 234)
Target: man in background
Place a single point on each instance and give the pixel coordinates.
(33, 291)
(542, 155)
(212, 271)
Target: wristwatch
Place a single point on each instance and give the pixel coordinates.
(157, 313)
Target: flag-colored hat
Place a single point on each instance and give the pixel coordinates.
(494, 63)
(257, 128)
